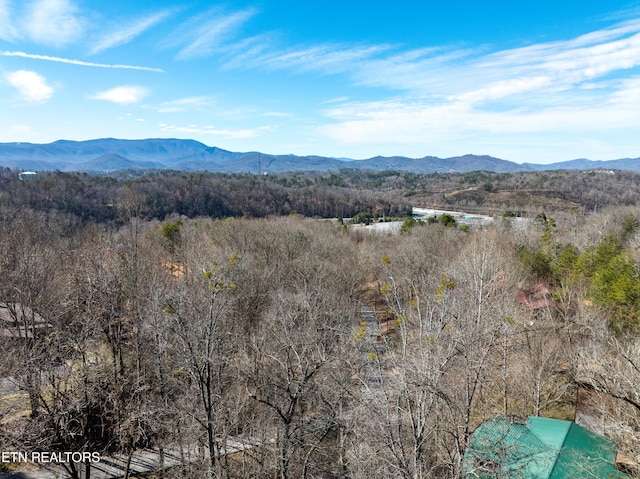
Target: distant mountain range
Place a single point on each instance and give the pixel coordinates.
(106, 155)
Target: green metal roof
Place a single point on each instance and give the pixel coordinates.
(587, 454)
(540, 449)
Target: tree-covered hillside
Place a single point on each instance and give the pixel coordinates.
(159, 194)
(198, 316)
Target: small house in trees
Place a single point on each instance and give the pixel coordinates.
(20, 321)
(541, 448)
(28, 176)
(536, 298)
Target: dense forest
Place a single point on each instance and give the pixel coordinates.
(215, 318)
(157, 194)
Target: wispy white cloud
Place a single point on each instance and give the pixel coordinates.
(446, 72)
(190, 103)
(32, 86)
(504, 88)
(224, 133)
(8, 31)
(53, 22)
(406, 121)
(129, 32)
(589, 83)
(278, 114)
(208, 32)
(441, 93)
(338, 99)
(627, 92)
(325, 59)
(241, 53)
(571, 62)
(59, 23)
(122, 95)
(77, 62)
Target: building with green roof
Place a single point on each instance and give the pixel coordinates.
(541, 448)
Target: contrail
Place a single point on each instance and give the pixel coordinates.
(78, 62)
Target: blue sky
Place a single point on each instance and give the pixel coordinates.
(537, 81)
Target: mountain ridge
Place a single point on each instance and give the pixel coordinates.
(110, 154)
